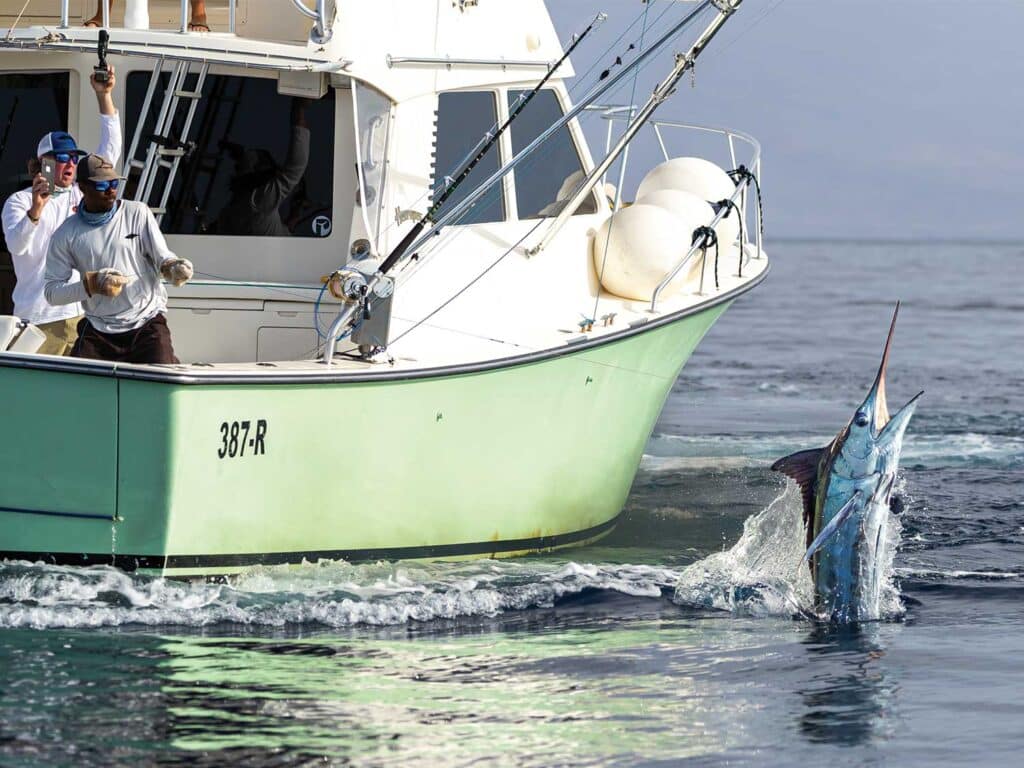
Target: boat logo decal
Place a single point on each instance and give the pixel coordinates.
(321, 225)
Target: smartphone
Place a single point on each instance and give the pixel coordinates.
(49, 169)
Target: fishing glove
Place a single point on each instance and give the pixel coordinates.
(177, 271)
(105, 282)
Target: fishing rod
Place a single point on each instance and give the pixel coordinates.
(492, 139)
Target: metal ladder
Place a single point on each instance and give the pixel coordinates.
(165, 151)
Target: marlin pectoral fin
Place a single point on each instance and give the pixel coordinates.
(802, 467)
(834, 525)
(896, 505)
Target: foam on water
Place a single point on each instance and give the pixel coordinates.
(762, 574)
(334, 594)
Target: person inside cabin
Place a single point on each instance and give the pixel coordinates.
(111, 256)
(260, 185)
(32, 215)
(197, 16)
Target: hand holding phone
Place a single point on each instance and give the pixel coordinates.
(100, 72)
(48, 171)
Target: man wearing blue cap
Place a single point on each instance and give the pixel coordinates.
(31, 216)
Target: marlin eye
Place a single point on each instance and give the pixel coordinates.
(861, 419)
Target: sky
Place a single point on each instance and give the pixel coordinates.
(879, 119)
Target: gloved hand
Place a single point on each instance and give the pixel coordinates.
(105, 282)
(177, 271)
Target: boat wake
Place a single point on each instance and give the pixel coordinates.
(758, 576)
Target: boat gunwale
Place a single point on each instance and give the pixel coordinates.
(159, 373)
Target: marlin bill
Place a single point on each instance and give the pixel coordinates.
(848, 498)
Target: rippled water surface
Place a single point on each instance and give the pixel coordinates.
(678, 639)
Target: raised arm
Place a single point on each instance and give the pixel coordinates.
(19, 227)
(110, 122)
(270, 196)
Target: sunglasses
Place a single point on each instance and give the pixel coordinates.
(65, 157)
(103, 186)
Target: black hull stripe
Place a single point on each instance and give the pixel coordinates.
(47, 513)
(212, 562)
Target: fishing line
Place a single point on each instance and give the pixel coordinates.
(470, 283)
(622, 168)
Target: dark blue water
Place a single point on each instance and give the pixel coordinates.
(673, 641)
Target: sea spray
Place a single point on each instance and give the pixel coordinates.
(761, 574)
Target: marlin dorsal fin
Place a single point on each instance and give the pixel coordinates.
(802, 466)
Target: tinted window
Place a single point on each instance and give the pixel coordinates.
(548, 177)
(30, 105)
(462, 121)
(256, 163)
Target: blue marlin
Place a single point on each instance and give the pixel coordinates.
(847, 489)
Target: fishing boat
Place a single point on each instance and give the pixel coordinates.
(449, 334)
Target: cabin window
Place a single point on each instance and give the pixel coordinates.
(547, 178)
(31, 104)
(256, 162)
(463, 119)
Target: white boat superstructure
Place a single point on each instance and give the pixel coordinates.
(388, 116)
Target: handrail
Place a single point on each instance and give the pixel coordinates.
(622, 113)
(321, 33)
(722, 213)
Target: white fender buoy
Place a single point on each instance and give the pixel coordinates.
(636, 247)
(689, 174)
(688, 205)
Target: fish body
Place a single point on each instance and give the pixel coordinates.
(847, 491)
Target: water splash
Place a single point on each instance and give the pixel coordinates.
(761, 574)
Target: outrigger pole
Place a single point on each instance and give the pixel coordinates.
(665, 89)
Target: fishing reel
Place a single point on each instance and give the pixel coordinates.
(358, 280)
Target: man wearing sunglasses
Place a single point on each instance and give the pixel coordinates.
(118, 251)
(31, 216)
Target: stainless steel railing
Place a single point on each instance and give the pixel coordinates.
(614, 113)
(321, 32)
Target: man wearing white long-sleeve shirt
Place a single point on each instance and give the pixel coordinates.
(31, 216)
(111, 256)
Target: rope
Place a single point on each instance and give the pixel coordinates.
(731, 205)
(707, 237)
(10, 32)
(742, 172)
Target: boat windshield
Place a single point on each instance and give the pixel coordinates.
(372, 120)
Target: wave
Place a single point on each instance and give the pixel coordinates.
(670, 453)
(331, 594)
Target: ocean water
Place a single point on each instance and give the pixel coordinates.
(677, 640)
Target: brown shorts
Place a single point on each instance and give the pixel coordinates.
(60, 336)
(149, 343)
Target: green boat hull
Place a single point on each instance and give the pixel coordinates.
(189, 478)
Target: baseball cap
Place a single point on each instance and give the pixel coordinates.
(97, 168)
(58, 141)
